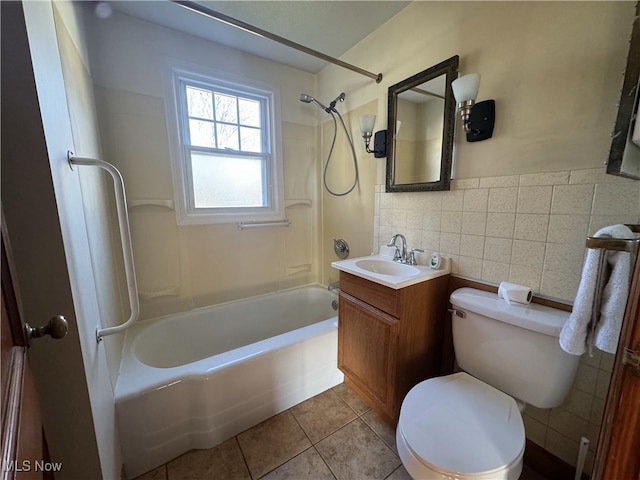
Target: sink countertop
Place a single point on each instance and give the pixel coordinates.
(403, 275)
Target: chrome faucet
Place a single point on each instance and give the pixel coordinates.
(401, 255)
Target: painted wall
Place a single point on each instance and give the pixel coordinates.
(524, 201)
(184, 267)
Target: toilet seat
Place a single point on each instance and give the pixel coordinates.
(459, 425)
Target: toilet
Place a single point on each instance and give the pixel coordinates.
(468, 425)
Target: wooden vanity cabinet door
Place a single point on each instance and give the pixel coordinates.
(367, 350)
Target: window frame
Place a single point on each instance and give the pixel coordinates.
(181, 149)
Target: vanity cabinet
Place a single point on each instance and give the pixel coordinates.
(389, 340)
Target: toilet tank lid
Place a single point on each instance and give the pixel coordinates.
(535, 317)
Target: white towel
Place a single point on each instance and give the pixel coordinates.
(581, 331)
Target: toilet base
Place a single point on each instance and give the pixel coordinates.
(419, 471)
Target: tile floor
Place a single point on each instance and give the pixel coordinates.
(333, 435)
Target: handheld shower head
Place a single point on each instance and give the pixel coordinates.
(308, 99)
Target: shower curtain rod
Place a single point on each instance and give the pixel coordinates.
(221, 17)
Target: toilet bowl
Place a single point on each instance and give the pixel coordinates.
(459, 427)
(468, 425)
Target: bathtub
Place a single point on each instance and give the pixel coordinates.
(198, 378)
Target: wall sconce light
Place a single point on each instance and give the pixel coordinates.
(478, 119)
(379, 140)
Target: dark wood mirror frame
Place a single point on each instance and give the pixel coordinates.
(624, 156)
(449, 68)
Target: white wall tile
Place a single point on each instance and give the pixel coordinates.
(500, 224)
(386, 200)
(504, 181)
(433, 201)
(550, 178)
(451, 222)
(452, 201)
(414, 219)
(464, 183)
(564, 258)
(561, 446)
(498, 249)
(474, 223)
(527, 253)
(559, 284)
(494, 272)
(503, 200)
(611, 199)
(450, 243)
(528, 276)
(430, 241)
(572, 199)
(470, 267)
(531, 226)
(596, 175)
(596, 222)
(534, 430)
(476, 200)
(586, 378)
(571, 229)
(472, 246)
(431, 220)
(534, 199)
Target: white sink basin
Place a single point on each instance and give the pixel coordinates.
(386, 268)
(383, 270)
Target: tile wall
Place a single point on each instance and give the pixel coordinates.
(528, 229)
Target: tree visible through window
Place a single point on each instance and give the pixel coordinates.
(226, 144)
(223, 128)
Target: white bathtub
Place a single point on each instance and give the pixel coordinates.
(198, 378)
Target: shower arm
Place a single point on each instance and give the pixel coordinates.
(125, 239)
(247, 27)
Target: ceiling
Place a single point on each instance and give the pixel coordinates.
(331, 27)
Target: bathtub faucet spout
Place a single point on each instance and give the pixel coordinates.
(334, 287)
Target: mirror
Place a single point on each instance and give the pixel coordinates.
(421, 128)
(624, 156)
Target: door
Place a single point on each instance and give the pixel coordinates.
(42, 207)
(618, 453)
(24, 450)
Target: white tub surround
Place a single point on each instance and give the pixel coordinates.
(195, 380)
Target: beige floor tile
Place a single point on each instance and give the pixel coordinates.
(355, 452)
(306, 466)
(272, 443)
(351, 398)
(159, 473)
(222, 462)
(322, 415)
(399, 474)
(384, 431)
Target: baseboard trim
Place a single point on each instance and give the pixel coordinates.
(547, 464)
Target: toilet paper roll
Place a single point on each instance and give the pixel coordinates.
(514, 294)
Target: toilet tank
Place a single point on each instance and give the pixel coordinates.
(514, 348)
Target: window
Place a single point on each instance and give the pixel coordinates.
(226, 167)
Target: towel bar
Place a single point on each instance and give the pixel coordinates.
(617, 244)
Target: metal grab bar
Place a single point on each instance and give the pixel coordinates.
(125, 239)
